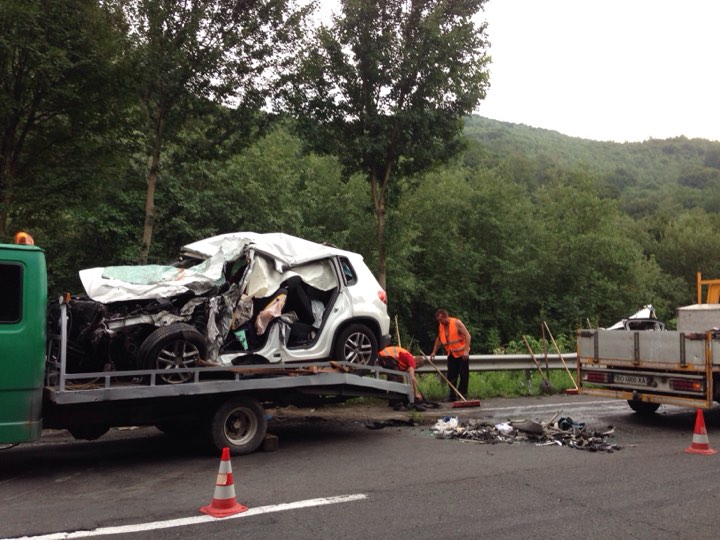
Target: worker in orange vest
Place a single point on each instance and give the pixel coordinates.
(455, 338)
(401, 359)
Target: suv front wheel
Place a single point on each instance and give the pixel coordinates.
(356, 344)
(173, 347)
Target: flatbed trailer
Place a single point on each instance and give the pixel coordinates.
(224, 404)
(650, 368)
(655, 366)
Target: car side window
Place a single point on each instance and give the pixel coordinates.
(348, 271)
(10, 293)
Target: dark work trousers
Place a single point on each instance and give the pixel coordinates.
(457, 368)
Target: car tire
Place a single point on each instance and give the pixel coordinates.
(356, 344)
(172, 347)
(643, 407)
(239, 424)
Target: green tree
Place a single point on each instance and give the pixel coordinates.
(386, 86)
(465, 241)
(690, 243)
(271, 185)
(593, 264)
(216, 50)
(58, 93)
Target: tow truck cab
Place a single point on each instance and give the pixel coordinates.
(23, 304)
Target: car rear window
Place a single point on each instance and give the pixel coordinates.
(348, 271)
(10, 293)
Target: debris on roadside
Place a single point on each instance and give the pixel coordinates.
(563, 432)
(380, 424)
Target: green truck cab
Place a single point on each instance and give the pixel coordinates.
(23, 303)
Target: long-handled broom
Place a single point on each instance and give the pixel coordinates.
(456, 404)
(571, 391)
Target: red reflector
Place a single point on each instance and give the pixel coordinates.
(685, 385)
(382, 296)
(595, 377)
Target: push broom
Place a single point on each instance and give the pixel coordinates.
(456, 404)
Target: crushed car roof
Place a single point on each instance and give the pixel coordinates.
(122, 283)
(284, 248)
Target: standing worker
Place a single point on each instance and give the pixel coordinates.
(400, 359)
(453, 335)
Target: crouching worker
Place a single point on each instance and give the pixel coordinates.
(400, 359)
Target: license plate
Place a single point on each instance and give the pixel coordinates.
(631, 379)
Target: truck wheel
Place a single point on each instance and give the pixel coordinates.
(240, 424)
(88, 433)
(643, 407)
(172, 347)
(356, 344)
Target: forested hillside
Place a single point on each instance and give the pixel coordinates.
(504, 225)
(640, 175)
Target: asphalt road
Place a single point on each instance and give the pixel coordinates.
(401, 482)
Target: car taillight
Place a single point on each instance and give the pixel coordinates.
(685, 385)
(595, 377)
(382, 296)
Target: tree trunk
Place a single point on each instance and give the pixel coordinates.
(3, 223)
(382, 272)
(378, 196)
(5, 198)
(150, 193)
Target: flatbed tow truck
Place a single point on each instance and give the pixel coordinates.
(648, 365)
(223, 404)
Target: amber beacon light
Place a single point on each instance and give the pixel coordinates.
(24, 238)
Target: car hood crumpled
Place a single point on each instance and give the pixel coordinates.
(122, 283)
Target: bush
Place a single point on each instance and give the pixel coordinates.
(490, 384)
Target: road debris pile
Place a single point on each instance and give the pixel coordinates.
(563, 432)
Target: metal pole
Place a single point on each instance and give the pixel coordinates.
(63, 343)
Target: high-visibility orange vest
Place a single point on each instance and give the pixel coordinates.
(454, 343)
(394, 352)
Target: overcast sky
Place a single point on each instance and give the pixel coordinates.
(619, 70)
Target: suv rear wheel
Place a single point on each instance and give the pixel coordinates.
(357, 344)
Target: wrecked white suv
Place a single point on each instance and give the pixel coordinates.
(239, 298)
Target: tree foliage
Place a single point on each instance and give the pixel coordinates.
(386, 86)
(217, 50)
(58, 90)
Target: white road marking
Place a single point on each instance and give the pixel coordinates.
(580, 405)
(182, 522)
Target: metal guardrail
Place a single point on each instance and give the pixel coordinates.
(503, 362)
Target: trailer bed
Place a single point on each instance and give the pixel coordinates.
(264, 382)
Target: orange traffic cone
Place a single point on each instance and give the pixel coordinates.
(224, 502)
(700, 443)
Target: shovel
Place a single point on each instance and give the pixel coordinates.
(546, 386)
